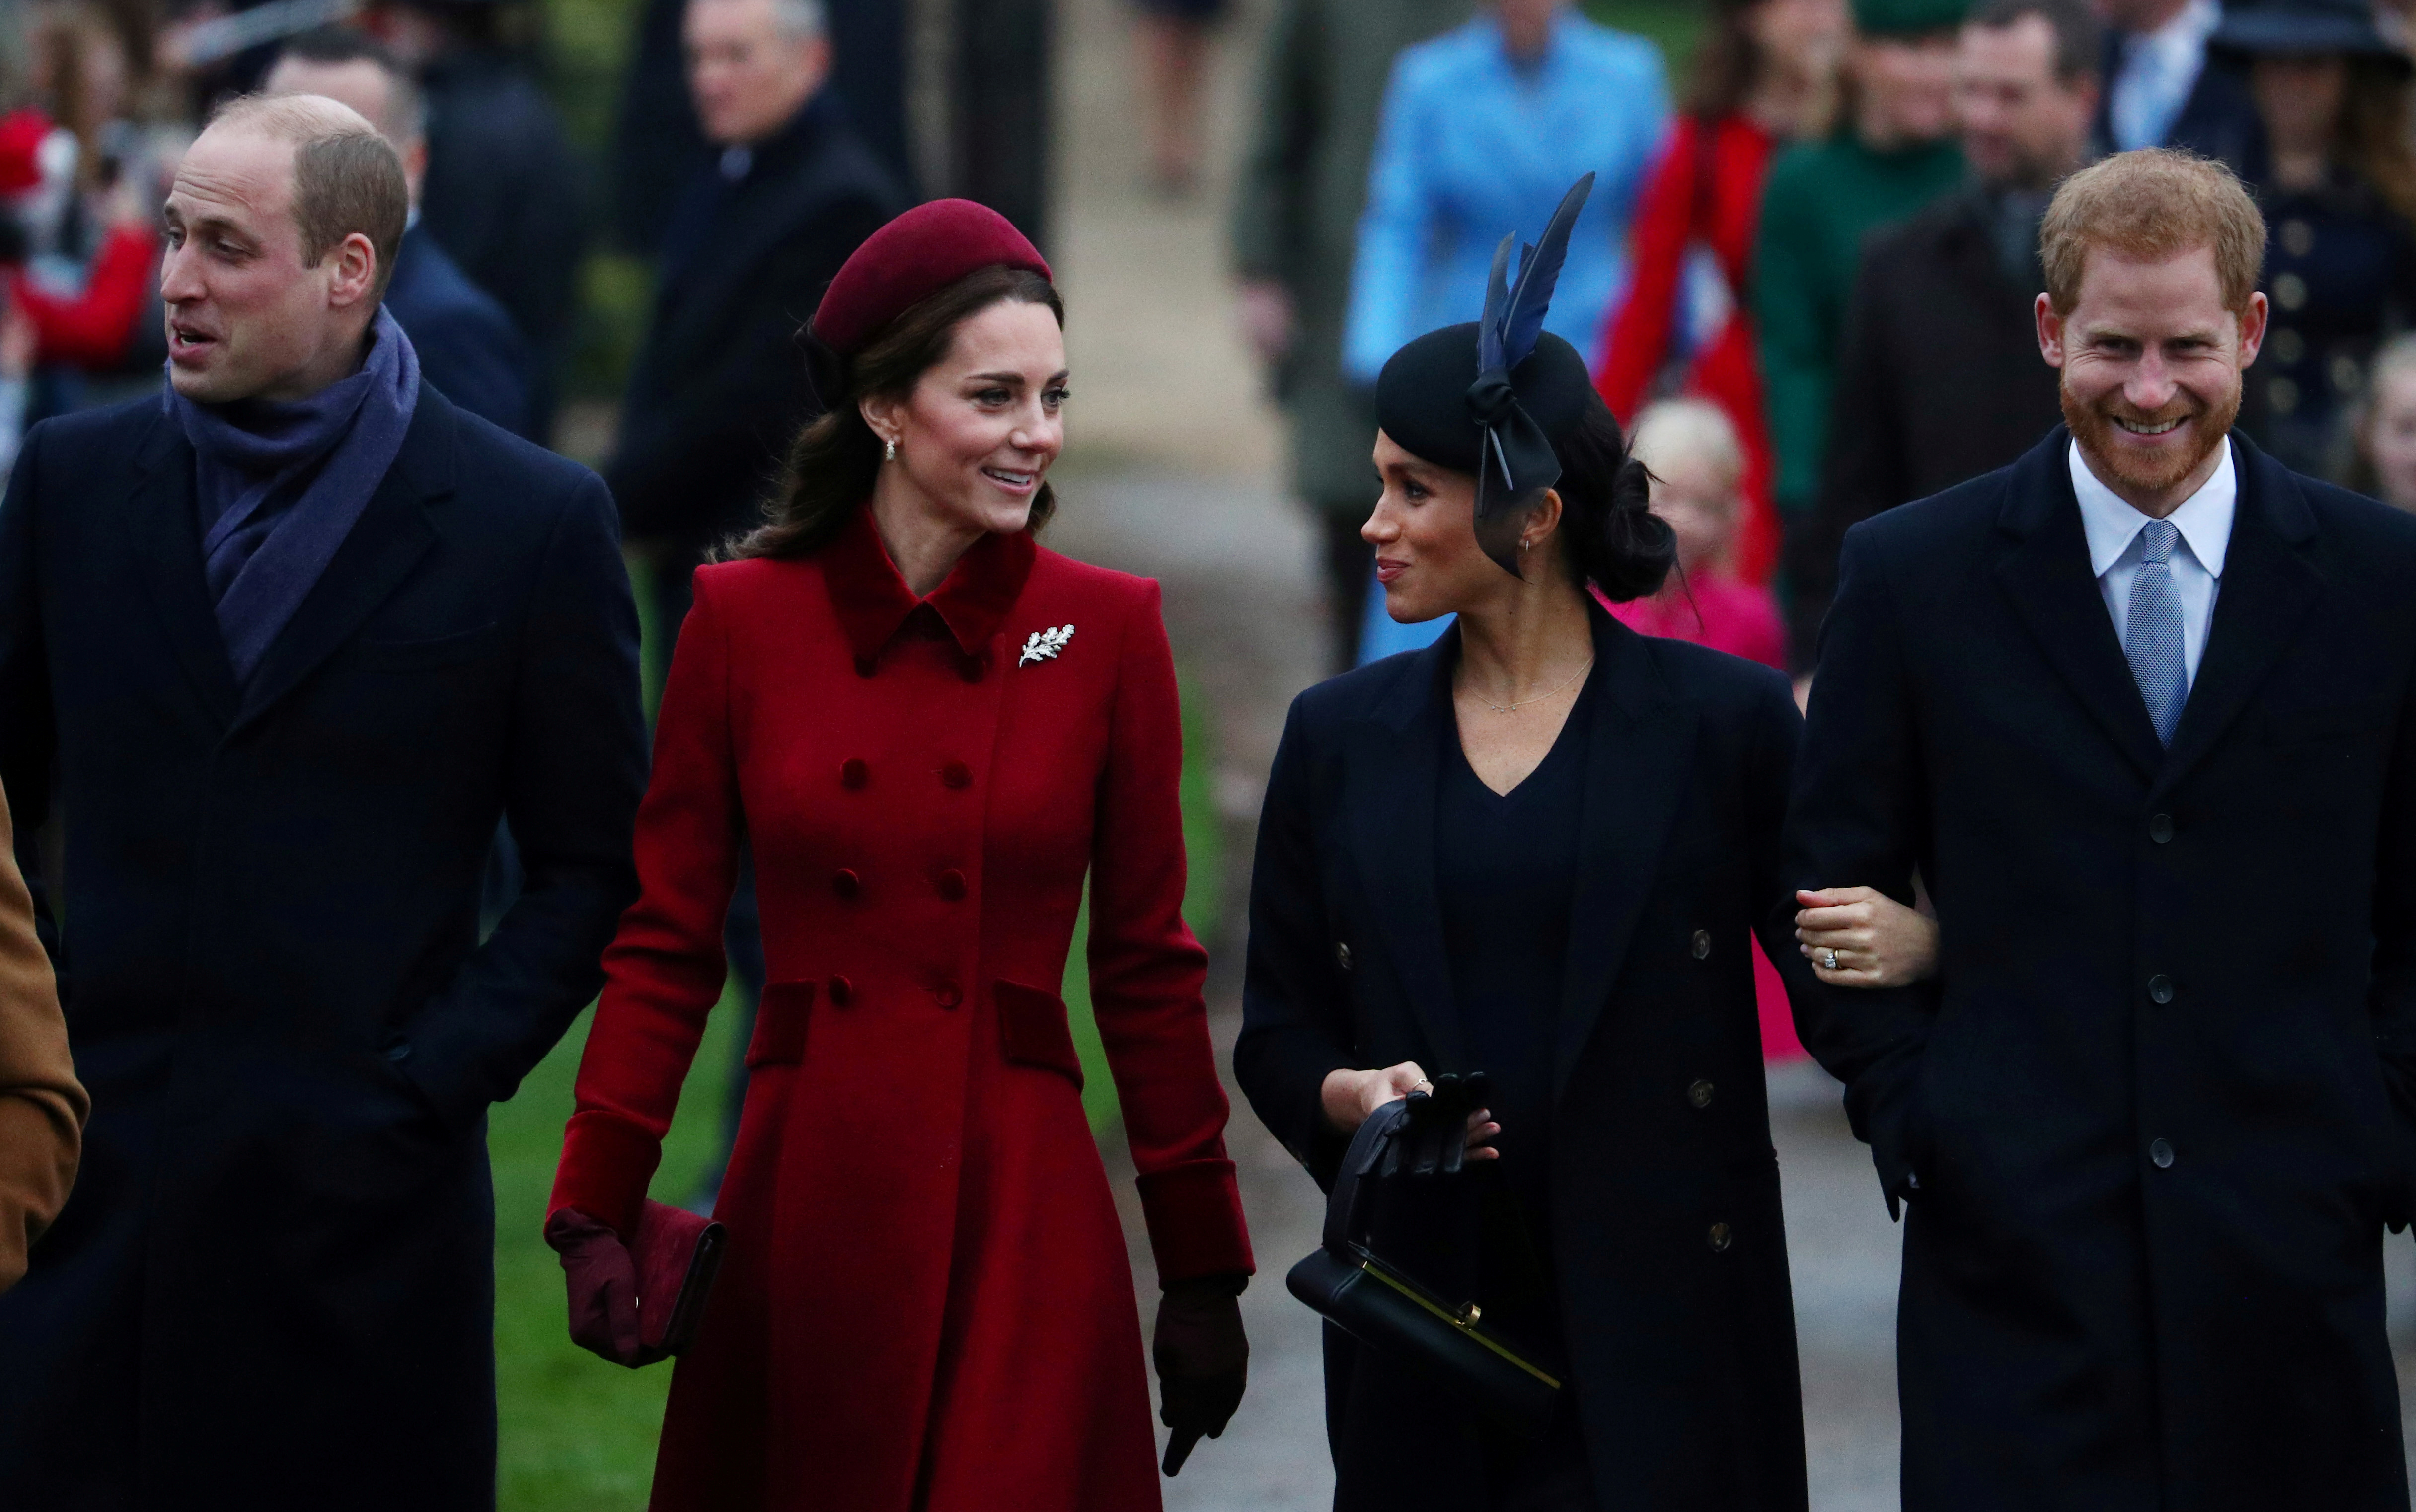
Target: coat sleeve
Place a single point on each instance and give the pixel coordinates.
(1392, 229)
(1863, 473)
(1857, 820)
(1635, 340)
(577, 766)
(42, 1108)
(1788, 301)
(1296, 1023)
(1770, 782)
(665, 970)
(2392, 988)
(1271, 195)
(1147, 971)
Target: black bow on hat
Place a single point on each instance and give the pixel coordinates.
(1516, 459)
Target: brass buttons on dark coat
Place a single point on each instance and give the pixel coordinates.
(846, 884)
(956, 775)
(1719, 1238)
(1342, 955)
(1699, 1095)
(951, 885)
(842, 992)
(1702, 943)
(853, 774)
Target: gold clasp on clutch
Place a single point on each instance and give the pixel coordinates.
(1468, 1315)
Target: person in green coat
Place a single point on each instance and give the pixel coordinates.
(1894, 151)
(1304, 182)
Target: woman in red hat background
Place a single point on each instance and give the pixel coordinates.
(930, 730)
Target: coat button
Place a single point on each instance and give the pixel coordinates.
(853, 774)
(1720, 1238)
(946, 995)
(866, 666)
(1342, 955)
(845, 883)
(951, 884)
(842, 992)
(1702, 943)
(2160, 987)
(2162, 1153)
(956, 775)
(2160, 829)
(1699, 1095)
(972, 668)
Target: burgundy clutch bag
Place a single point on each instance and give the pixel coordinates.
(677, 1253)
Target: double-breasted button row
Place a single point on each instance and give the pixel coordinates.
(1702, 943)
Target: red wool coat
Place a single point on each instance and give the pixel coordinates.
(926, 1303)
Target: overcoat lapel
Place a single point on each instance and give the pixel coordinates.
(385, 543)
(2045, 571)
(167, 543)
(2267, 590)
(1636, 752)
(1393, 770)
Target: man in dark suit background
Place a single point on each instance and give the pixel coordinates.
(2163, 89)
(468, 348)
(277, 656)
(1938, 378)
(2140, 709)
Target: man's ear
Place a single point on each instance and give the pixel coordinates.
(356, 272)
(2252, 328)
(2050, 330)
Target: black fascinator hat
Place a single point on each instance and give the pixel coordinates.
(1495, 399)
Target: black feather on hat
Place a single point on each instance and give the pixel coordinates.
(1492, 399)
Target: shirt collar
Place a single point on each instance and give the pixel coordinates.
(874, 603)
(2204, 519)
(2188, 30)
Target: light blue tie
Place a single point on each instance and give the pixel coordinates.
(2152, 633)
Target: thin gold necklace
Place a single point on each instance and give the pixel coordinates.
(1555, 692)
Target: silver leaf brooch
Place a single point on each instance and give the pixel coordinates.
(1045, 644)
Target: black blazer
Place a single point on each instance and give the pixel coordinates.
(1938, 380)
(277, 1270)
(2157, 1103)
(1667, 1241)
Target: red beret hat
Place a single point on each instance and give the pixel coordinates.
(910, 259)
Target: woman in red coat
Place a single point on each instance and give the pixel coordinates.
(929, 730)
(1762, 78)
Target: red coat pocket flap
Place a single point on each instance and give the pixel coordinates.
(1032, 1030)
(780, 1024)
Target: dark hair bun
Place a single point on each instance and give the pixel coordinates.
(1608, 527)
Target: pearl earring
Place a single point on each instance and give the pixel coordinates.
(889, 451)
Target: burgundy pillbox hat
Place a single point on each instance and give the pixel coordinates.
(910, 259)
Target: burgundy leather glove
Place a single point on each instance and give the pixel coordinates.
(1203, 1360)
(603, 1282)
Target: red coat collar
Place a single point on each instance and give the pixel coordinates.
(874, 603)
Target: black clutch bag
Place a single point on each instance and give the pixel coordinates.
(1385, 1308)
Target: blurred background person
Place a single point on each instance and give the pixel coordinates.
(1764, 77)
(1174, 38)
(504, 193)
(720, 384)
(2386, 429)
(1303, 183)
(1892, 152)
(2163, 89)
(1939, 375)
(1481, 131)
(2338, 188)
(467, 345)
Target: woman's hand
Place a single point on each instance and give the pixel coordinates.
(1861, 937)
(1349, 1096)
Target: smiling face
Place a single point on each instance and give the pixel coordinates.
(979, 431)
(2151, 363)
(1424, 530)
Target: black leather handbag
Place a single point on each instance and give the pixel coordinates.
(1385, 1308)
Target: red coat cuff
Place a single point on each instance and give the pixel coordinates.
(606, 1163)
(1195, 1220)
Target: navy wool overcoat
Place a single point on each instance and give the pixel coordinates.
(273, 1284)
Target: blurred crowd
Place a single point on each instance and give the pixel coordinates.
(1807, 285)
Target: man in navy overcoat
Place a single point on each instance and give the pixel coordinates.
(275, 658)
(2137, 708)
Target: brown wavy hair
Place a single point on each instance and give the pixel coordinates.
(835, 460)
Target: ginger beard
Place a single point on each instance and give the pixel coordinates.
(2093, 426)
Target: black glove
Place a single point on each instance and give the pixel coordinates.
(1203, 1360)
(1435, 1139)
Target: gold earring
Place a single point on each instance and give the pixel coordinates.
(889, 451)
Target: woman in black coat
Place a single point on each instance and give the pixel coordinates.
(1539, 848)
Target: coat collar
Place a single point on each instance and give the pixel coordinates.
(874, 603)
(1637, 747)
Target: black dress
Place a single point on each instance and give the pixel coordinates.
(1505, 878)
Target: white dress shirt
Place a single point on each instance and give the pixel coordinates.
(2155, 74)
(2204, 520)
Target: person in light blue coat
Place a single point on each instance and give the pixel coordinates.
(1483, 129)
